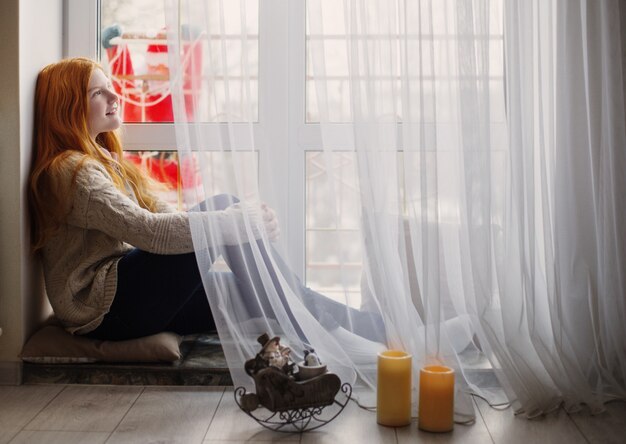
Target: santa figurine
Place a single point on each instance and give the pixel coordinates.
(275, 354)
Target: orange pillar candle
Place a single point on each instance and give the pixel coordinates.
(393, 395)
(436, 400)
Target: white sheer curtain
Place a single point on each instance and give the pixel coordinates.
(565, 248)
(487, 143)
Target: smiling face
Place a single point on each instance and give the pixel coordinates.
(103, 105)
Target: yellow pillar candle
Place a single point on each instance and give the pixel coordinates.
(436, 400)
(393, 406)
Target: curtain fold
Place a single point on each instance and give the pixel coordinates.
(470, 175)
(566, 135)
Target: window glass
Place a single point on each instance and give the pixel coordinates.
(182, 185)
(333, 246)
(162, 166)
(135, 54)
(234, 173)
(334, 249)
(430, 73)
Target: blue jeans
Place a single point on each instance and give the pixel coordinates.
(157, 292)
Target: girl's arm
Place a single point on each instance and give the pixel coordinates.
(97, 204)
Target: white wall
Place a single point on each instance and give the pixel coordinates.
(622, 13)
(32, 38)
(10, 200)
(41, 37)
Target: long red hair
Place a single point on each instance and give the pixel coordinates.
(61, 107)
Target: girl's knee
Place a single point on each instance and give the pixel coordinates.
(223, 201)
(218, 202)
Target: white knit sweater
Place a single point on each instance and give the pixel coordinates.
(103, 224)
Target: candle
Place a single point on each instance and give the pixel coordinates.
(393, 406)
(436, 400)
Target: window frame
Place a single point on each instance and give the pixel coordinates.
(282, 135)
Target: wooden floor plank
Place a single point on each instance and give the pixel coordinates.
(48, 437)
(86, 408)
(91, 414)
(354, 424)
(466, 434)
(169, 414)
(231, 424)
(506, 428)
(242, 441)
(20, 404)
(608, 427)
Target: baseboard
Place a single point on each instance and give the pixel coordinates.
(10, 372)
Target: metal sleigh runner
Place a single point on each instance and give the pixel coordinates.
(293, 401)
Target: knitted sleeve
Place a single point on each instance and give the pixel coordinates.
(97, 204)
(163, 206)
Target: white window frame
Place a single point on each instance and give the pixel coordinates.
(280, 133)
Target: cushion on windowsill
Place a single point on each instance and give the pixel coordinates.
(53, 345)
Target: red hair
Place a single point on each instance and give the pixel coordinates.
(61, 107)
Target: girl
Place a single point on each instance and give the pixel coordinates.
(118, 262)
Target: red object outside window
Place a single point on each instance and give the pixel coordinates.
(147, 98)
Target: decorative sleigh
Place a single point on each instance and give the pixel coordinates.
(286, 402)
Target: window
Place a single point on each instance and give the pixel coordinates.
(287, 162)
(436, 74)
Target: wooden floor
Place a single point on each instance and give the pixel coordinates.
(135, 414)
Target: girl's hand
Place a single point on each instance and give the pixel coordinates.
(271, 222)
(261, 218)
